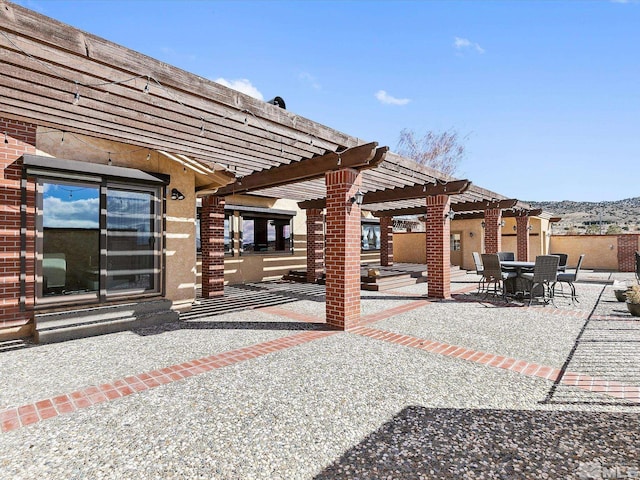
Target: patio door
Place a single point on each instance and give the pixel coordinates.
(456, 248)
(96, 240)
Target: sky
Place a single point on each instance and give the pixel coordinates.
(545, 94)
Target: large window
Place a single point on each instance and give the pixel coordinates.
(97, 239)
(268, 233)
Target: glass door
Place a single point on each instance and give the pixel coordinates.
(68, 219)
(133, 240)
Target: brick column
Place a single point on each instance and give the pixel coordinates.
(492, 230)
(627, 246)
(315, 245)
(386, 241)
(522, 232)
(212, 244)
(18, 251)
(438, 246)
(343, 249)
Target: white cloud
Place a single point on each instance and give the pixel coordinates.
(242, 85)
(307, 77)
(384, 97)
(466, 44)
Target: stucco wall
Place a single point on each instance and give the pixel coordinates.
(411, 247)
(180, 259)
(601, 251)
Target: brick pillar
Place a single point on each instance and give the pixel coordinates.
(18, 252)
(627, 245)
(342, 256)
(212, 243)
(438, 246)
(492, 230)
(522, 232)
(386, 241)
(315, 245)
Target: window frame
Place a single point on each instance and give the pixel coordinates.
(250, 215)
(76, 173)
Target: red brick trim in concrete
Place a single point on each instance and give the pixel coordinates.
(24, 415)
(572, 379)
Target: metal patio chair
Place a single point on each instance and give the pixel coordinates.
(570, 278)
(477, 260)
(493, 275)
(545, 275)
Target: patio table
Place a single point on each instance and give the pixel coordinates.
(512, 285)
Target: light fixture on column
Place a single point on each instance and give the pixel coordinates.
(482, 224)
(450, 214)
(515, 228)
(471, 234)
(176, 194)
(530, 227)
(502, 223)
(357, 198)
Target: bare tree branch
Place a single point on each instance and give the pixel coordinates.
(442, 151)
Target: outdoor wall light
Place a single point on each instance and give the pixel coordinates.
(471, 234)
(515, 228)
(482, 224)
(450, 214)
(530, 227)
(176, 194)
(502, 223)
(357, 198)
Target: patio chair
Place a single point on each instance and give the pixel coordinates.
(638, 266)
(545, 275)
(493, 274)
(569, 278)
(562, 266)
(507, 257)
(479, 270)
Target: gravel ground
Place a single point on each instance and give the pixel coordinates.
(59, 368)
(343, 406)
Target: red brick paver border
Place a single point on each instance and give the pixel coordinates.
(24, 415)
(618, 390)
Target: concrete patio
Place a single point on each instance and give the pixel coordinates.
(255, 385)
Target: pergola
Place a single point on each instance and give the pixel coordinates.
(70, 81)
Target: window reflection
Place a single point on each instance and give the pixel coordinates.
(70, 238)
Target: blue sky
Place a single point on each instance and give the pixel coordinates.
(547, 93)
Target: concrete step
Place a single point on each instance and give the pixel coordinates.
(71, 324)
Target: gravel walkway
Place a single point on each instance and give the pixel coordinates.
(341, 406)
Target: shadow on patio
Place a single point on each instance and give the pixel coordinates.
(423, 442)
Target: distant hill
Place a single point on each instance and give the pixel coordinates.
(621, 216)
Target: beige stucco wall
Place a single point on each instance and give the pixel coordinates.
(180, 259)
(411, 247)
(601, 251)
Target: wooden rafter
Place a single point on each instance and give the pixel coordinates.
(406, 193)
(361, 157)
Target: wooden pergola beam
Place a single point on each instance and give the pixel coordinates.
(459, 216)
(405, 193)
(484, 205)
(361, 157)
